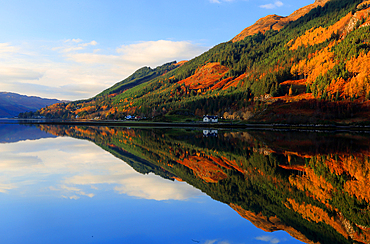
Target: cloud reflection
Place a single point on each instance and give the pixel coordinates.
(210, 242)
(151, 187)
(74, 190)
(143, 186)
(270, 239)
(216, 242)
(75, 168)
(5, 187)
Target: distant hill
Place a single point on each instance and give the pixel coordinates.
(11, 104)
(308, 67)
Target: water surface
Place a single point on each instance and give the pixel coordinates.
(70, 184)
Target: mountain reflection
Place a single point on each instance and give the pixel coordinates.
(315, 186)
(14, 132)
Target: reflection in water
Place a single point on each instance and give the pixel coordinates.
(207, 133)
(313, 186)
(71, 160)
(15, 132)
(63, 190)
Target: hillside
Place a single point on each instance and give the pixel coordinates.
(11, 104)
(308, 67)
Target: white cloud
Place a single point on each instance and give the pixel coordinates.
(154, 52)
(17, 73)
(92, 43)
(276, 4)
(219, 1)
(279, 3)
(75, 69)
(73, 40)
(270, 239)
(70, 46)
(7, 48)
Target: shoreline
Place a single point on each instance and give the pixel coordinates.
(219, 125)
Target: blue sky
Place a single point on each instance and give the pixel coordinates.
(74, 49)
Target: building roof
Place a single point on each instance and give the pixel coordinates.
(210, 117)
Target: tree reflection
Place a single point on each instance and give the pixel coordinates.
(312, 185)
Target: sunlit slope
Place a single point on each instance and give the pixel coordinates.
(315, 62)
(276, 22)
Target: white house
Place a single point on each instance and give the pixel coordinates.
(210, 119)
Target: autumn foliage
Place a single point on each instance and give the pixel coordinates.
(359, 84)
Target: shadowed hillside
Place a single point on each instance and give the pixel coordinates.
(11, 104)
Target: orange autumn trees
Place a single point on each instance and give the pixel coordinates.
(359, 84)
(316, 64)
(319, 35)
(314, 185)
(205, 77)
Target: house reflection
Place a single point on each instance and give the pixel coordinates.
(210, 133)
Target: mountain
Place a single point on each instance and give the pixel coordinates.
(11, 104)
(308, 67)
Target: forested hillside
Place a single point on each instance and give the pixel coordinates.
(310, 66)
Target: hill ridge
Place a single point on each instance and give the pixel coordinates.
(11, 104)
(276, 22)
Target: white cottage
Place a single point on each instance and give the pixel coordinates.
(210, 119)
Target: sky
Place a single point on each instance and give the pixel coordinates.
(74, 49)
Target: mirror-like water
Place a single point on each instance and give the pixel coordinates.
(70, 184)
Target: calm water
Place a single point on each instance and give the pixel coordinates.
(122, 185)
